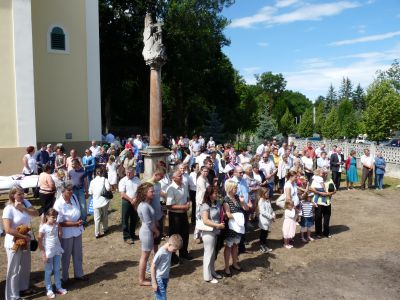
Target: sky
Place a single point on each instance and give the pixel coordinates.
(313, 43)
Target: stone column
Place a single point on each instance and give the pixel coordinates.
(155, 107)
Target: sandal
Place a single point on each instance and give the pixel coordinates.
(236, 268)
(226, 274)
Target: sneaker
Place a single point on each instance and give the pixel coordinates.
(50, 295)
(304, 240)
(213, 281)
(262, 249)
(62, 291)
(268, 249)
(288, 246)
(310, 239)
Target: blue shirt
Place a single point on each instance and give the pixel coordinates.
(88, 163)
(42, 157)
(243, 189)
(380, 165)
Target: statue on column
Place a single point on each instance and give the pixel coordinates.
(154, 50)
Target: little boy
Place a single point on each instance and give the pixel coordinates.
(162, 264)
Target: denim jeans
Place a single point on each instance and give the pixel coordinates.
(270, 186)
(379, 181)
(162, 284)
(53, 265)
(79, 193)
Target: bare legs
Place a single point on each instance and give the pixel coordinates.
(142, 268)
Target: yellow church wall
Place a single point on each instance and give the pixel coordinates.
(60, 78)
(8, 122)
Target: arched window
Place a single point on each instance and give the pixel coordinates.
(57, 39)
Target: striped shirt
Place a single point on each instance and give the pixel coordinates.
(307, 209)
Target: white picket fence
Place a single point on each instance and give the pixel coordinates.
(391, 154)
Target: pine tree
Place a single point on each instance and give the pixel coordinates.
(331, 99)
(330, 130)
(306, 126)
(214, 127)
(287, 125)
(346, 89)
(347, 120)
(359, 98)
(267, 127)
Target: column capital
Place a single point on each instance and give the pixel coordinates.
(155, 63)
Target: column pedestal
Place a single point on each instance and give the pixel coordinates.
(151, 156)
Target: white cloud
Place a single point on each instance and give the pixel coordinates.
(315, 79)
(360, 28)
(269, 15)
(370, 38)
(285, 3)
(263, 44)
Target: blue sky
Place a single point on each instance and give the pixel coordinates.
(313, 43)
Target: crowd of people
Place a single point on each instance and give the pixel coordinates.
(224, 193)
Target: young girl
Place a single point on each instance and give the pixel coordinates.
(265, 218)
(112, 172)
(289, 224)
(50, 246)
(307, 218)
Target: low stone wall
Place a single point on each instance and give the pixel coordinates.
(391, 154)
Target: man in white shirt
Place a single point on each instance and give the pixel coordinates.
(138, 142)
(128, 188)
(319, 150)
(178, 204)
(367, 162)
(282, 149)
(308, 164)
(211, 143)
(195, 146)
(95, 149)
(200, 158)
(260, 148)
(202, 141)
(267, 166)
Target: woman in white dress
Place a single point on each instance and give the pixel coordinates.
(112, 172)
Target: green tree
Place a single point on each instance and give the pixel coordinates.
(287, 124)
(382, 115)
(392, 75)
(359, 98)
(346, 89)
(347, 119)
(319, 116)
(331, 99)
(331, 129)
(306, 126)
(273, 85)
(267, 127)
(214, 127)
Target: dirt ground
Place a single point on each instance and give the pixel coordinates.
(360, 261)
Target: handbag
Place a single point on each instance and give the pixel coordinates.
(33, 243)
(281, 201)
(106, 194)
(203, 227)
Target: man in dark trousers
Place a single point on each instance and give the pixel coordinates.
(336, 162)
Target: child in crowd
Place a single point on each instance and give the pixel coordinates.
(162, 264)
(307, 218)
(50, 246)
(319, 184)
(289, 224)
(112, 172)
(265, 218)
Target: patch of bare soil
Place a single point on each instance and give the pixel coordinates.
(360, 261)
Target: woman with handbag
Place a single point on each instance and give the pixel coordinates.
(18, 211)
(98, 188)
(232, 206)
(210, 217)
